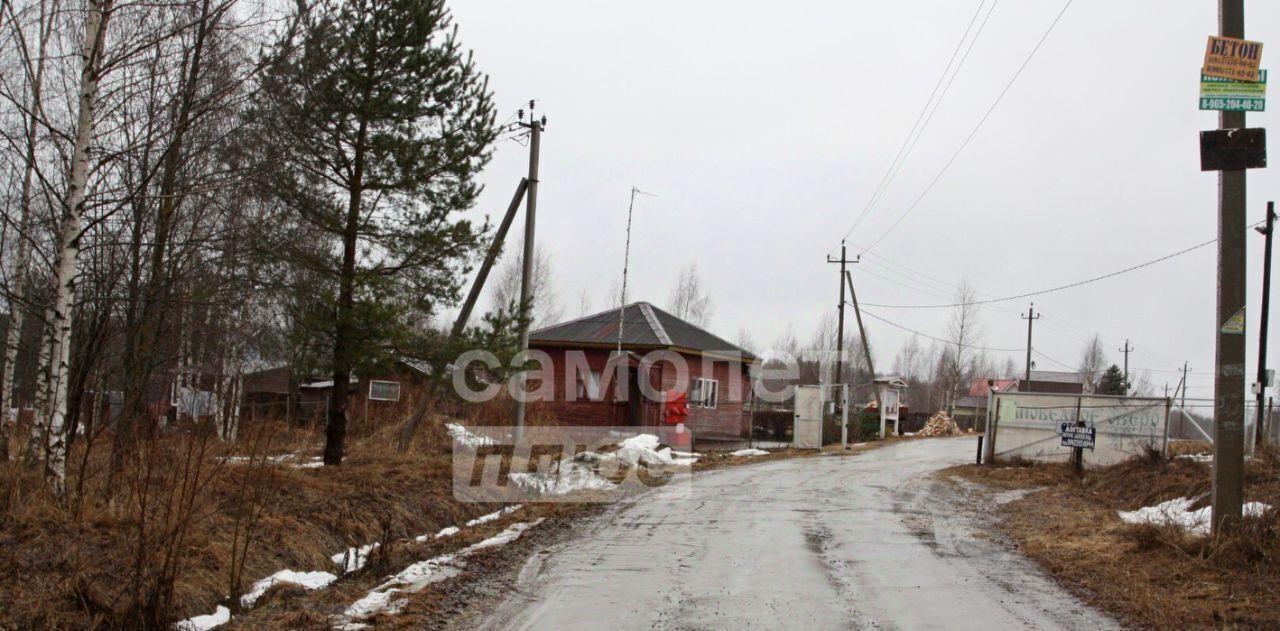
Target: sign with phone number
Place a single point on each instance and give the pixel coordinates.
(1227, 95)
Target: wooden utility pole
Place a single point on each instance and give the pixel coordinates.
(1031, 317)
(1229, 366)
(843, 260)
(1126, 350)
(1260, 436)
(526, 269)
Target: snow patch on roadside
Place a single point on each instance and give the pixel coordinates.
(1178, 512)
(1197, 457)
(749, 452)
(355, 558)
(565, 477)
(307, 580)
(496, 515)
(385, 598)
(463, 436)
(219, 617)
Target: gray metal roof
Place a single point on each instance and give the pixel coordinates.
(643, 325)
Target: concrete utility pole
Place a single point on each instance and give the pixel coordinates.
(1126, 350)
(1228, 374)
(495, 249)
(862, 331)
(1031, 317)
(840, 328)
(526, 269)
(1186, 368)
(1260, 436)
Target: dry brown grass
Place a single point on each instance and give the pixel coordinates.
(77, 566)
(1148, 576)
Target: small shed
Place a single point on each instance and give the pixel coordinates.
(891, 390)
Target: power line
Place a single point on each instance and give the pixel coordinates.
(1053, 289)
(938, 339)
(974, 132)
(907, 143)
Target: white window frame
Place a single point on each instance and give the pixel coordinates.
(372, 382)
(704, 393)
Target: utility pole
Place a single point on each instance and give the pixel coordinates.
(526, 269)
(1260, 436)
(1185, 369)
(1031, 317)
(1126, 350)
(843, 260)
(1229, 367)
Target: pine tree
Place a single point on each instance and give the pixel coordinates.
(1113, 382)
(374, 126)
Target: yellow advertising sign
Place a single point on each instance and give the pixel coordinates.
(1231, 58)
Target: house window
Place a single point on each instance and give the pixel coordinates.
(384, 391)
(589, 385)
(704, 393)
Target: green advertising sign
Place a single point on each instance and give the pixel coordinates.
(1228, 95)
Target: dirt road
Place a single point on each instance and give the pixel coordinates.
(831, 542)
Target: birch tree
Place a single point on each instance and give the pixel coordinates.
(1092, 361)
(34, 66)
(689, 300)
(97, 16)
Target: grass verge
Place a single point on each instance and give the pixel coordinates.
(1153, 577)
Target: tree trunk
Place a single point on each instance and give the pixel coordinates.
(17, 306)
(336, 430)
(151, 317)
(69, 247)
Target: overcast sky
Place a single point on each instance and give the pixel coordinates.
(764, 128)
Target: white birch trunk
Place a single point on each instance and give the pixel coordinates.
(17, 310)
(69, 247)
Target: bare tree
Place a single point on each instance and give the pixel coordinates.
(963, 332)
(547, 308)
(584, 302)
(908, 362)
(689, 300)
(1092, 362)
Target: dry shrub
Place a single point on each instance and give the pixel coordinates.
(178, 528)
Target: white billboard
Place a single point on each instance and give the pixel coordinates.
(1028, 426)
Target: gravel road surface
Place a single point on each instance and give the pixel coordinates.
(831, 542)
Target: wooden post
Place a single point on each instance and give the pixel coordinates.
(1079, 451)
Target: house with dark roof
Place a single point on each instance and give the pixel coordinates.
(663, 357)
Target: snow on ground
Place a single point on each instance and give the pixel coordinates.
(462, 436)
(220, 616)
(306, 580)
(354, 558)
(1178, 512)
(565, 477)
(444, 532)
(1197, 457)
(750, 452)
(384, 599)
(484, 519)
(313, 462)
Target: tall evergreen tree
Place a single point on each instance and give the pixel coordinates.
(1113, 382)
(374, 124)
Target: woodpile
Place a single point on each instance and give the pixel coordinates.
(939, 425)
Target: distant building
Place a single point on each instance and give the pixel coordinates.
(582, 352)
(1053, 382)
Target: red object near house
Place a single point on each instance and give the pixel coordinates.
(676, 409)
